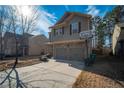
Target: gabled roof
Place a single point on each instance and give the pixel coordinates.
(65, 16)
(42, 36)
(68, 16)
(11, 34)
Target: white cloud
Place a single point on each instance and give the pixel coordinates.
(92, 10)
(52, 16)
(45, 21)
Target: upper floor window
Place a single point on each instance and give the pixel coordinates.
(60, 31)
(54, 32)
(74, 27)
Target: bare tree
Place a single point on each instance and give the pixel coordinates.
(2, 28)
(17, 23)
(20, 24)
(28, 24)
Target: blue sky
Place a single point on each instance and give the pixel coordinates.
(50, 14)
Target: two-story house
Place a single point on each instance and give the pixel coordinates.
(65, 42)
(10, 44)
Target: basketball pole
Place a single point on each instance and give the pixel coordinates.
(86, 41)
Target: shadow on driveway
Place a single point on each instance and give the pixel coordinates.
(76, 64)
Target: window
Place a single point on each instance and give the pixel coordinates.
(60, 31)
(63, 30)
(74, 27)
(50, 38)
(79, 25)
(54, 32)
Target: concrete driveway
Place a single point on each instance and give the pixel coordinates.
(52, 74)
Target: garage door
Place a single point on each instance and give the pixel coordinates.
(70, 52)
(76, 54)
(60, 53)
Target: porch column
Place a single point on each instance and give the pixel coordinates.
(53, 51)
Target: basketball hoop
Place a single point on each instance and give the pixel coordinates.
(86, 34)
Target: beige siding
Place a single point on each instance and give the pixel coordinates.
(84, 27)
(10, 46)
(115, 38)
(37, 45)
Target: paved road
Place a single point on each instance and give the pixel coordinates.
(48, 74)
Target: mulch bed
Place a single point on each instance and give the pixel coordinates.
(22, 63)
(106, 72)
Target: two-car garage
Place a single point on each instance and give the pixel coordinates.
(70, 51)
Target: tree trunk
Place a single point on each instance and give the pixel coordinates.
(16, 58)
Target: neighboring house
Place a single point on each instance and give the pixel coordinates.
(65, 42)
(10, 44)
(1, 45)
(37, 45)
(118, 40)
(25, 44)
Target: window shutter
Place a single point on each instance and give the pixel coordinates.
(63, 30)
(70, 29)
(79, 27)
(54, 32)
(50, 36)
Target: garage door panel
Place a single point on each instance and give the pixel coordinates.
(76, 54)
(70, 52)
(61, 53)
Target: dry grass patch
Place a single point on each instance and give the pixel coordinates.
(91, 80)
(106, 72)
(22, 63)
